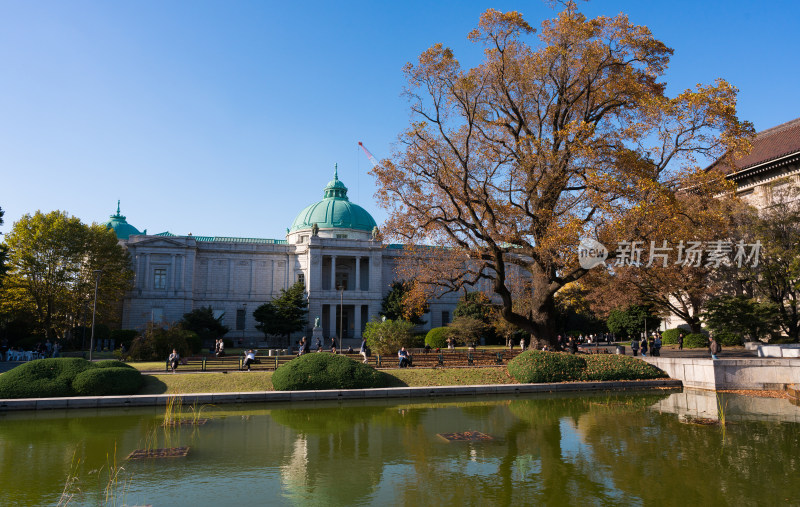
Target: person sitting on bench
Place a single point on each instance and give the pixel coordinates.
(174, 359)
(249, 359)
(404, 357)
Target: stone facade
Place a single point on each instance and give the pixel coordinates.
(176, 274)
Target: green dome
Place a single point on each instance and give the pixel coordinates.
(334, 211)
(121, 227)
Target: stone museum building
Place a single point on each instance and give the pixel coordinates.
(331, 247)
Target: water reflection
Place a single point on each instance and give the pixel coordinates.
(601, 449)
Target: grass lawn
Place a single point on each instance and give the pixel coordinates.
(261, 381)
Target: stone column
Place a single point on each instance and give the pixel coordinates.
(230, 276)
(183, 272)
(333, 272)
(357, 321)
(358, 272)
(334, 320)
(172, 272)
(146, 278)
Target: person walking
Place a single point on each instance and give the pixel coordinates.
(644, 346)
(635, 347)
(680, 341)
(714, 347)
(319, 345)
(657, 346)
(306, 345)
(363, 350)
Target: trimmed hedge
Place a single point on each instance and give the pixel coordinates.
(670, 336)
(112, 363)
(618, 367)
(55, 377)
(695, 341)
(536, 366)
(437, 337)
(326, 371)
(107, 381)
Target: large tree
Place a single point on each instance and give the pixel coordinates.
(509, 164)
(53, 264)
(3, 253)
(776, 276)
(285, 314)
(394, 306)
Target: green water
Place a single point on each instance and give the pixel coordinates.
(601, 449)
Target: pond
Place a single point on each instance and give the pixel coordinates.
(606, 448)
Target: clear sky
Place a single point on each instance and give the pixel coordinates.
(226, 118)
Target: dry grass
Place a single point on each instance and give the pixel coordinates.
(261, 381)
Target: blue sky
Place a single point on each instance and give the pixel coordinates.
(226, 118)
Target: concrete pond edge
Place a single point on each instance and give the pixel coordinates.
(145, 400)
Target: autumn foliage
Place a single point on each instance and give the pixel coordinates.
(558, 135)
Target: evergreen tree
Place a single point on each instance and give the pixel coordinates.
(285, 314)
(394, 306)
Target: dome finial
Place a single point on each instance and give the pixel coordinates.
(117, 206)
(336, 171)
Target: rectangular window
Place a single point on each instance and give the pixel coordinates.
(157, 315)
(445, 318)
(301, 277)
(160, 279)
(240, 316)
(341, 236)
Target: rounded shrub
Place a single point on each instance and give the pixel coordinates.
(618, 367)
(695, 341)
(670, 336)
(43, 378)
(107, 381)
(326, 371)
(537, 366)
(437, 337)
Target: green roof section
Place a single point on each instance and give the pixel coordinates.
(334, 211)
(121, 227)
(226, 239)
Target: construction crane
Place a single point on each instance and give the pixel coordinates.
(372, 160)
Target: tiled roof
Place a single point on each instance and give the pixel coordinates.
(229, 239)
(772, 144)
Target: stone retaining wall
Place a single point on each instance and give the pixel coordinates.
(336, 394)
(756, 374)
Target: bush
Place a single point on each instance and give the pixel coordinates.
(326, 371)
(112, 363)
(695, 341)
(107, 381)
(728, 339)
(43, 378)
(437, 337)
(194, 342)
(56, 377)
(536, 366)
(670, 336)
(157, 343)
(387, 336)
(618, 367)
